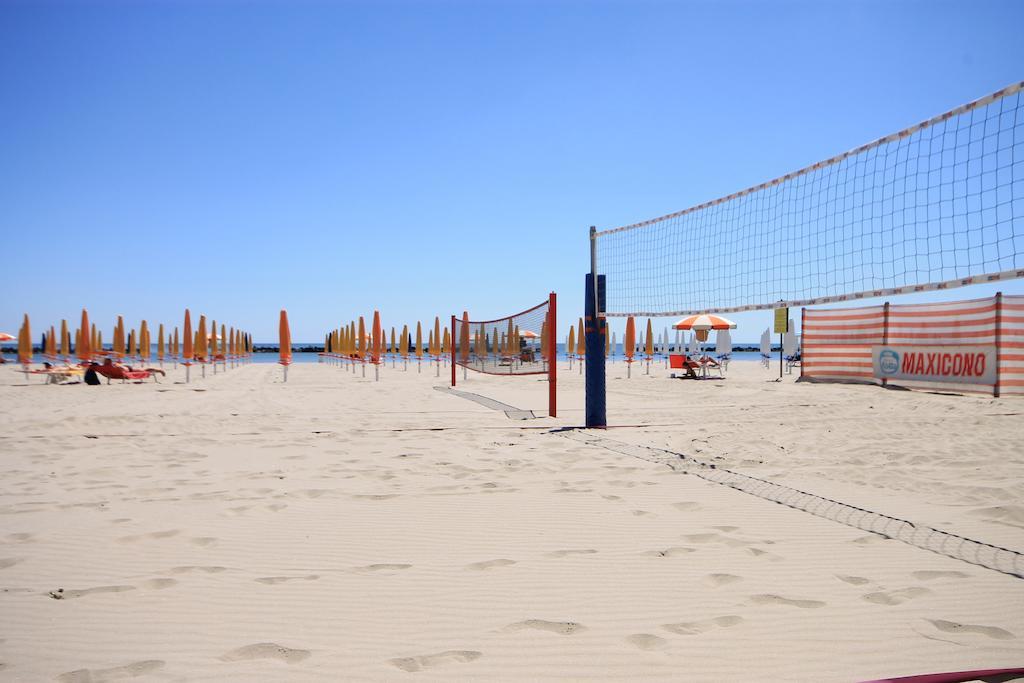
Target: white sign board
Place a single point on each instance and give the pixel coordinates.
(951, 364)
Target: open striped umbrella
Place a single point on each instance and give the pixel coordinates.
(704, 321)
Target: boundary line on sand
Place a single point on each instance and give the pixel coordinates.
(511, 412)
(957, 547)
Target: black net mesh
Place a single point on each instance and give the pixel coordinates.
(937, 205)
(515, 345)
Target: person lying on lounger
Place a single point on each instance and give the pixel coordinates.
(112, 370)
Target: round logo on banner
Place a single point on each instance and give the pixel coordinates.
(889, 362)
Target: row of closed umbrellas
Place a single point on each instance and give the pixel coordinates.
(190, 347)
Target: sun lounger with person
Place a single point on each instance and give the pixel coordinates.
(112, 370)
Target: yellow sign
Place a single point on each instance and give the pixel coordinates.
(781, 320)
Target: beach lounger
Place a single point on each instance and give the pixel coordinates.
(709, 364)
(793, 361)
(124, 374)
(680, 362)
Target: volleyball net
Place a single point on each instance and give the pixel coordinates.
(519, 344)
(934, 206)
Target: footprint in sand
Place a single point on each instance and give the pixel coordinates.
(276, 507)
(6, 562)
(20, 538)
(152, 535)
(272, 580)
(686, 506)
(853, 580)
(955, 627)
(158, 584)
(870, 539)
(564, 628)
(381, 567)
(205, 570)
(266, 651)
(721, 579)
(61, 594)
(116, 673)
(727, 529)
(422, 662)
(693, 628)
(566, 553)
(768, 599)
(931, 575)
(488, 564)
(896, 597)
(377, 496)
(646, 641)
(203, 541)
(670, 552)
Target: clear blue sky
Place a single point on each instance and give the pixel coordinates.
(423, 157)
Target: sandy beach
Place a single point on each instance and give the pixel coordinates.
(335, 528)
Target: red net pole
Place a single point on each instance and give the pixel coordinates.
(552, 341)
(452, 343)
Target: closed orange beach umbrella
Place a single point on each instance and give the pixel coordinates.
(544, 340)
(464, 338)
(203, 342)
(51, 343)
(570, 343)
(437, 336)
(25, 342)
(176, 344)
(629, 343)
(419, 340)
(285, 339)
(394, 349)
(446, 342)
(160, 343)
(649, 341)
(508, 338)
(376, 337)
(144, 340)
(119, 337)
(361, 339)
(403, 343)
(65, 339)
(95, 338)
(581, 341)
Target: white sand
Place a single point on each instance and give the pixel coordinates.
(333, 528)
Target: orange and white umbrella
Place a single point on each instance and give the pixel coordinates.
(704, 321)
(529, 334)
(4, 336)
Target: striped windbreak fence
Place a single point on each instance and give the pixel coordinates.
(838, 342)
